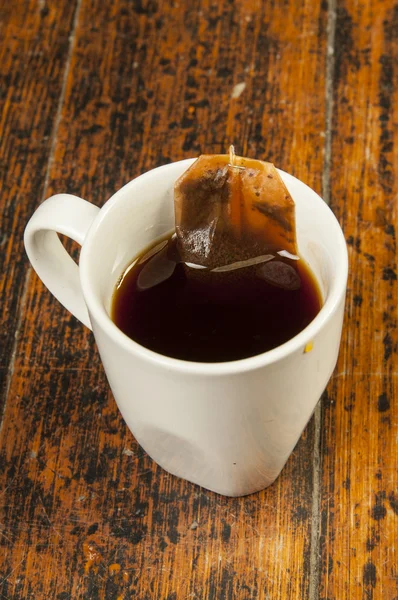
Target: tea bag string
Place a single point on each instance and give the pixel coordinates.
(232, 159)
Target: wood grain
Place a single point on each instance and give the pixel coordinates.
(84, 512)
(33, 54)
(360, 424)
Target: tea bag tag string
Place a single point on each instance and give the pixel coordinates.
(232, 159)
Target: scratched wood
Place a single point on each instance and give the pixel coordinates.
(33, 54)
(84, 512)
(360, 422)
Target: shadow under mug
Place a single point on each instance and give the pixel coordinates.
(229, 427)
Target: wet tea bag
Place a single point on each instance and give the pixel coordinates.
(232, 210)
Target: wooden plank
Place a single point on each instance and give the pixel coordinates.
(33, 53)
(360, 426)
(150, 83)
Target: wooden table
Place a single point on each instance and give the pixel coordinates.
(95, 92)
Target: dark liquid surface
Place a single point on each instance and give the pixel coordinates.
(206, 316)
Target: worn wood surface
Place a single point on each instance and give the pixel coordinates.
(359, 506)
(94, 93)
(33, 56)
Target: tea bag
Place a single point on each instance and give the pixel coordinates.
(230, 209)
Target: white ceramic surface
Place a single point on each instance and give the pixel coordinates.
(229, 427)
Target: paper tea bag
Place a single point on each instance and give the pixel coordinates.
(229, 208)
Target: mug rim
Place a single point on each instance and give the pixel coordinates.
(97, 309)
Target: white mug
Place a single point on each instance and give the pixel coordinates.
(229, 427)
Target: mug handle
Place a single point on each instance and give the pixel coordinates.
(71, 216)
